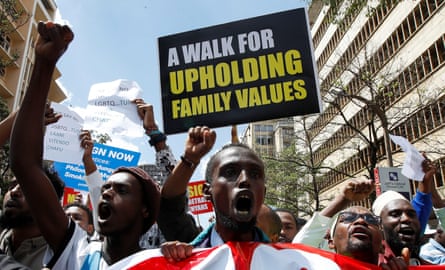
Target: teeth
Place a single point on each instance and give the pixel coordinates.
(243, 212)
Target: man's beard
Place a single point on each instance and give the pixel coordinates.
(397, 245)
(360, 246)
(10, 222)
(235, 226)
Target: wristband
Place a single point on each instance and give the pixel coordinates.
(189, 163)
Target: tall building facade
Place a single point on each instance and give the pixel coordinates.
(269, 137)
(381, 71)
(19, 44)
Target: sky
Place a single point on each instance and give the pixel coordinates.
(118, 40)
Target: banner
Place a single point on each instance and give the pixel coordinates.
(244, 71)
(251, 255)
(107, 159)
(197, 203)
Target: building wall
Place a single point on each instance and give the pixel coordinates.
(14, 79)
(269, 137)
(402, 46)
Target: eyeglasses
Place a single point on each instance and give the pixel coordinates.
(349, 217)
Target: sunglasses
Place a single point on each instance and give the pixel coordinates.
(349, 217)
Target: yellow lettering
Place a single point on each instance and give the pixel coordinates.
(206, 77)
(300, 91)
(242, 96)
(276, 65)
(175, 108)
(235, 73)
(223, 77)
(199, 105)
(264, 97)
(176, 82)
(287, 89)
(254, 99)
(276, 93)
(250, 68)
(191, 76)
(293, 62)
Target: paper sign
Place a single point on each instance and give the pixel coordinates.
(111, 110)
(61, 142)
(412, 166)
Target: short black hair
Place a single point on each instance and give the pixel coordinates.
(58, 184)
(83, 207)
(299, 222)
(211, 163)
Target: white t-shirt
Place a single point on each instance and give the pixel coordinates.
(76, 256)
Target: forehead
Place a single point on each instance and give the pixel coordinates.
(286, 217)
(238, 155)
(358, 210)
(123, 178)
(75, 209)
(398, 204)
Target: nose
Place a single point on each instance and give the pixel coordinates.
(243, 179)
(108, 193)
(16, 191)
(360, 220)
(405, 218)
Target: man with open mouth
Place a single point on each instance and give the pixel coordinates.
(235, 184)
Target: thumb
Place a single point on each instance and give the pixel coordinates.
(406, 255)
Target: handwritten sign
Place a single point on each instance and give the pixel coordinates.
(244, 71)
(110, 108)
(61, 142)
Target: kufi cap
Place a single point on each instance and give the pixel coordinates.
(384, 198)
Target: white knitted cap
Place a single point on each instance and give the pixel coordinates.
(384, 199)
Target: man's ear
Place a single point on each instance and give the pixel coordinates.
(207, 191)
(145, 212)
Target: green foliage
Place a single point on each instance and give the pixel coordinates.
(4, 152)
(11, 18)
(288, 185)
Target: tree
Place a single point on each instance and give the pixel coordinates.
(11, 18)
(4, 153)
(294, 175)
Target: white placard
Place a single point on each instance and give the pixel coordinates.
(412, 166)
(61, 142)
(111, 110)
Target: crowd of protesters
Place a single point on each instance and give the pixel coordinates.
(129, 212)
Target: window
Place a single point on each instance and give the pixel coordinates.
(5, 42)
(264, 140)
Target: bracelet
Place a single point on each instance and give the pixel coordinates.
(189, 163)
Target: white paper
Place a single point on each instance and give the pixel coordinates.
(412, 166)
(61, 142)
(111, 110)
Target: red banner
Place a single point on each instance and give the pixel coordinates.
(251, 255)
(69, 195)
(197, 203)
